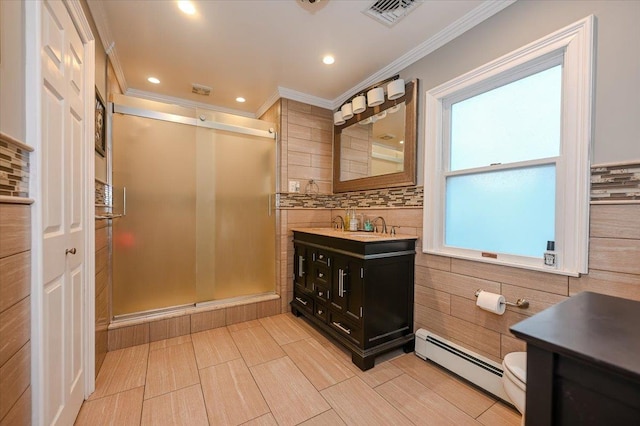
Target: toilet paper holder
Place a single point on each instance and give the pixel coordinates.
(520, 303)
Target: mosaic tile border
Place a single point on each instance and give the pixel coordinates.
(103, 194)
(412, 196)
(615, 182)
(14, 167)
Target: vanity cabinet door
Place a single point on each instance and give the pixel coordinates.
(301, 268)
(347, 288)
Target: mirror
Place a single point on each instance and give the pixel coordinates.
(377, 148)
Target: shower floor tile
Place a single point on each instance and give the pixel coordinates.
(278, 371)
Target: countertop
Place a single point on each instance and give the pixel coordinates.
(361, 236)
(603, 330)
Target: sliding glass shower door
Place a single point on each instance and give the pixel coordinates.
(198, 223)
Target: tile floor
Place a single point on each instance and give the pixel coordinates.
(278, 371)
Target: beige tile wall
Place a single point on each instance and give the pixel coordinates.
(445, 287)
(15, 314)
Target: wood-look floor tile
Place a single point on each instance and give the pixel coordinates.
(291, 397)
(311, 331)
(122, 370)
(256, 345)
(417, 403)
(244, 325)
(122, 408)
(214, 347)
(161, 344)
(266, 420)
(500, 414)
(318, 364)
(467, 398)
(283, 329)
(358, 404)
(182, 407)
(230, 393)
(327, 418)
(379, 374)
(170, 369)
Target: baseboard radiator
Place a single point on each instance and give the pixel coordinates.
(469, 365)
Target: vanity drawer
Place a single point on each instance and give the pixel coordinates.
(321, 275)
(321, 257)
(322, 293)
(345, 327)
(303, 301)
(320, 312)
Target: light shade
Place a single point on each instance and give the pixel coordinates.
(337, 118)
(395, 89)
(359, 104)
(375, 96)
(347, 111)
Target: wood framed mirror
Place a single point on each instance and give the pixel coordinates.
(377, 148)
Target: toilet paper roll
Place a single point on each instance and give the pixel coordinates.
(491, 302)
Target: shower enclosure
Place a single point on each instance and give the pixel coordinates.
(196, 190)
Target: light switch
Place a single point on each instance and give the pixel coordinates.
(294, 186)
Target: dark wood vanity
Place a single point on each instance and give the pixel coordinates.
(356, 288)
(583, 362)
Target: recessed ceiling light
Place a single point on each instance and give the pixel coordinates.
(328, 59)
(187, 7)
(153, 80)
(240, 99)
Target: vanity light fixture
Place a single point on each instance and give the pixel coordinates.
(328, 60)
(375, 95)
(240, 99)
(153, 80)
(187, 7)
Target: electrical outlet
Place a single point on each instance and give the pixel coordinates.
(294, 186)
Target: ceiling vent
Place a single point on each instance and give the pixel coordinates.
(389, 12)
(200, 89)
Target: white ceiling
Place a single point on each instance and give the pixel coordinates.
(264, 49)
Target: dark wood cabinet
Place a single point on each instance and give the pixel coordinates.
(358, 292)
(583, 362)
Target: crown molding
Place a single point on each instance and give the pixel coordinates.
(453, 30)
(185, 102)
(268, 103)
(294, 95)
(109, 45)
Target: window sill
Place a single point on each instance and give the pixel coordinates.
(503, 263)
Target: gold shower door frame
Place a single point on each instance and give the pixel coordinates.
(199, 224)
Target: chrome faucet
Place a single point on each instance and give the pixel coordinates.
(384, 224)
(339, 221)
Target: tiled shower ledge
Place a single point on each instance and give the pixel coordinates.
(179, 312)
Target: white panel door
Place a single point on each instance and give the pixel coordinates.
(63, 145)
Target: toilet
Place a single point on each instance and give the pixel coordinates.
(514, 379)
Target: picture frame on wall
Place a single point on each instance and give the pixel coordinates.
(101, 124)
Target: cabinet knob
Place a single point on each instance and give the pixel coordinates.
(320, 275)
(71, 250)
(321, 256)
(320, 293)
(319, 311)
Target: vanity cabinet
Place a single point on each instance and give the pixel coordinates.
(357, 290)
(583, 366)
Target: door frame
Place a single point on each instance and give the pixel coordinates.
(33, 136)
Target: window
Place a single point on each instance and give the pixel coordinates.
(507, 157)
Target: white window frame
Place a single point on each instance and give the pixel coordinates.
(572, 47)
